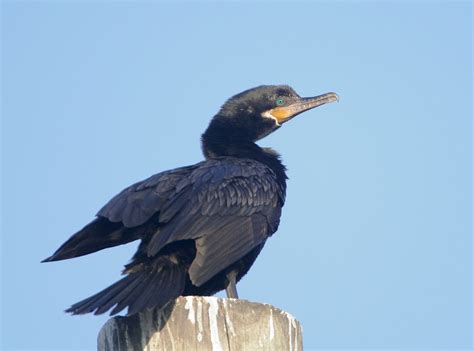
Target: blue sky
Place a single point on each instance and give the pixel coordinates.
(374, 249)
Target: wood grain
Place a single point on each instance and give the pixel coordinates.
(204, 323)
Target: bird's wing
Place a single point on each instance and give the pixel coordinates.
(228, 206)
(137, 203)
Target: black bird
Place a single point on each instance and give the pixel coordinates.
(202, 226)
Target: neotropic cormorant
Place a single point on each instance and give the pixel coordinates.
(202, 226)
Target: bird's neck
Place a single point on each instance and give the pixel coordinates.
(222, 146)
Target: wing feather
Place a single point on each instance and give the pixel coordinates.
(223, 247)
(136, 204)
(228, 206)
(231, 207)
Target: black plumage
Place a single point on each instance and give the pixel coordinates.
(202, 226)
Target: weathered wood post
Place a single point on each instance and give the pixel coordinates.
(204, 323)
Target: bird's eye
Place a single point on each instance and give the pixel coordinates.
(280, 102)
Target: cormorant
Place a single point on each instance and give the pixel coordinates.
(202, 226)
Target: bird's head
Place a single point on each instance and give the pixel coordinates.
(257, 112)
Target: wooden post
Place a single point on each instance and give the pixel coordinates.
(204, 323)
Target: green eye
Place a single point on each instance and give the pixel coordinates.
(280, 102)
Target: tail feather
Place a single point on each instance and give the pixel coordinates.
(97, 235)
(162, 290)
(93, 302)
(140, 301)
(117, 296)
(150, 287)
(128, 296)
(167, 294)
